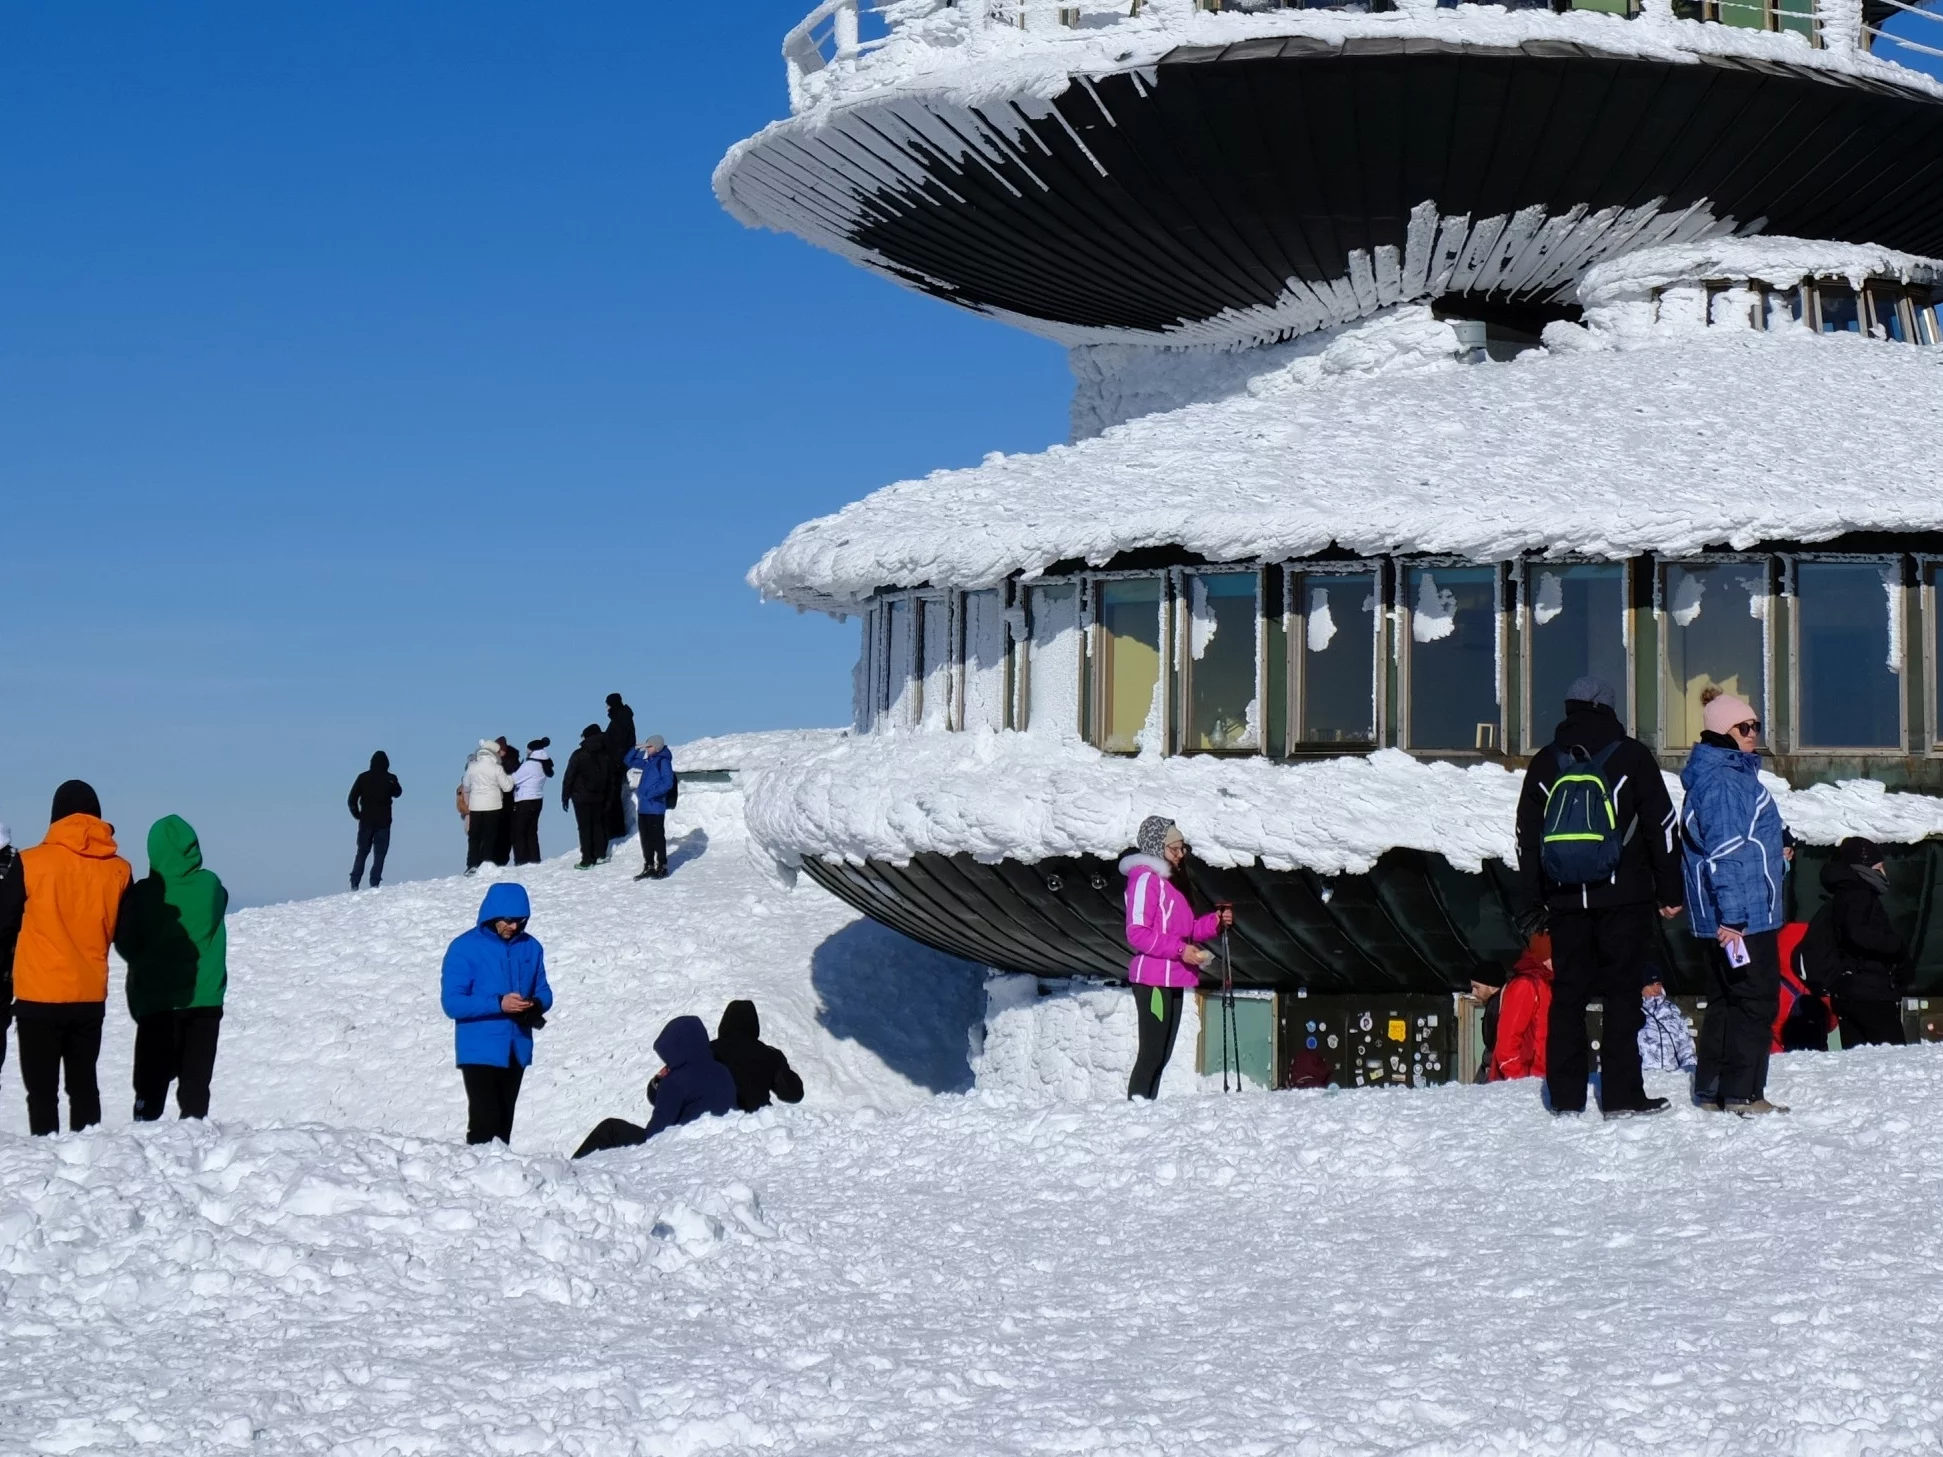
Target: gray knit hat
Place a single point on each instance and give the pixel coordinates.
(1592, 690)
(1156, 831)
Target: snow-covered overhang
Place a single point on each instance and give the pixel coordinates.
(1015, 796)
(1655, 443)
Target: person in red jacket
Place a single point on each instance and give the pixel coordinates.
(1523, 1008)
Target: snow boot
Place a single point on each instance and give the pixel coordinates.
(646, 874)
(1750, 1108)
(1650, 1105)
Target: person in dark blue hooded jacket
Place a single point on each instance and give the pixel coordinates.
(691, 1083)
(494, 988)
(1735, 862)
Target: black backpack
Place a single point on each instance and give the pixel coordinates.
(1582, 839)
(673, 796)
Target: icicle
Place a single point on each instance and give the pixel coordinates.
(1892, 587)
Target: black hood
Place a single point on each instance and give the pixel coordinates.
(380, 761)
(739, 1019)
(76, 797)
(590, 735)
(1836, 875)
(1591, 726)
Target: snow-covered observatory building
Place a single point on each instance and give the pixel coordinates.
(1427, 356)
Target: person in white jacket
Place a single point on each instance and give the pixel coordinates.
(529, 793)
(482, 800)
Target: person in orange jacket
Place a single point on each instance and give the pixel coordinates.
(73, 882)
(1524, 1007)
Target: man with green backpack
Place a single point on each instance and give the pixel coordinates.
(1598, 857)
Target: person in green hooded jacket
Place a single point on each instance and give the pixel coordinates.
(171, 935)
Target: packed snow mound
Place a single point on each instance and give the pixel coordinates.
(749, 754)
(1672, 447)
(1073, 1041)
(1445, 1271)
(1028, 797)
(333, 1009)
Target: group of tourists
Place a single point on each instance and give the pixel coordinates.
(493, 986)
(1602, 858)
(63, 904)
(500, 797)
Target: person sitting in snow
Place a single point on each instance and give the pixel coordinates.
(494, 988)
(1161, 931)
(1524, 1015)
(690, 1085)
(759, 1070)
(1665, 1041)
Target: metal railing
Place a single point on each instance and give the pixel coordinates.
(842, 31)
(1922, 12)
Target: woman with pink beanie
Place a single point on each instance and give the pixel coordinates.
(1734, 869)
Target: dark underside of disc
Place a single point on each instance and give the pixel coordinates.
(1146, 202)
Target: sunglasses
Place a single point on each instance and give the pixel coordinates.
(1752, 728)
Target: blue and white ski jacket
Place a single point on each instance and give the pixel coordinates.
(1732, 834)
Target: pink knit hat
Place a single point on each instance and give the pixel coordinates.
(1725, 711)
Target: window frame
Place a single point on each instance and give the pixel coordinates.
(1295, 617)
(1179, 713)
(1093, 669)
(1929, 578)
(1405, 611)
(1663, 618)
(1629, 641)
(1790, 562)
(1021, 703)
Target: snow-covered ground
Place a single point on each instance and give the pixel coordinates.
(1033, 1266)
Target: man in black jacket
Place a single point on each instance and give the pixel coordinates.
(619, 740)
(1871, 962)
(759, 1069)
(586, 789)
(370, 804)
(1602, 933)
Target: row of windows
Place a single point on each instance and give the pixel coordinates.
(1435, 656)
(1907, 315)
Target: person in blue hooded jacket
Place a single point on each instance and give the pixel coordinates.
(651, 797)
(1735, 867)
(493, 986)
(691, 1084)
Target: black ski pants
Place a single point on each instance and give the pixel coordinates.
(374, 841)
(1601, 953)
(617, 804)
(1870, 1023)
(175, 1047)
(482, 837)
(654, 842)
(1738, 1029)
(1157, 1010)
(55, 1037)
(611, 1133)
(526, 831)
(591, 820)
(492, 1093)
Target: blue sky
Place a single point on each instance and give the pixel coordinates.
(387, 376)
(382, 375)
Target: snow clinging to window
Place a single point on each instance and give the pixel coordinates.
(1322, 626)
(1200, 632)
(1435, 615)
(1892, 587)
(1686, 599)
(1551, 598)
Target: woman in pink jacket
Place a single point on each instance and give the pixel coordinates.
(1161, 930)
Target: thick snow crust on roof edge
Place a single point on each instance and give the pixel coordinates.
(1671, 443)
(1016, 796)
